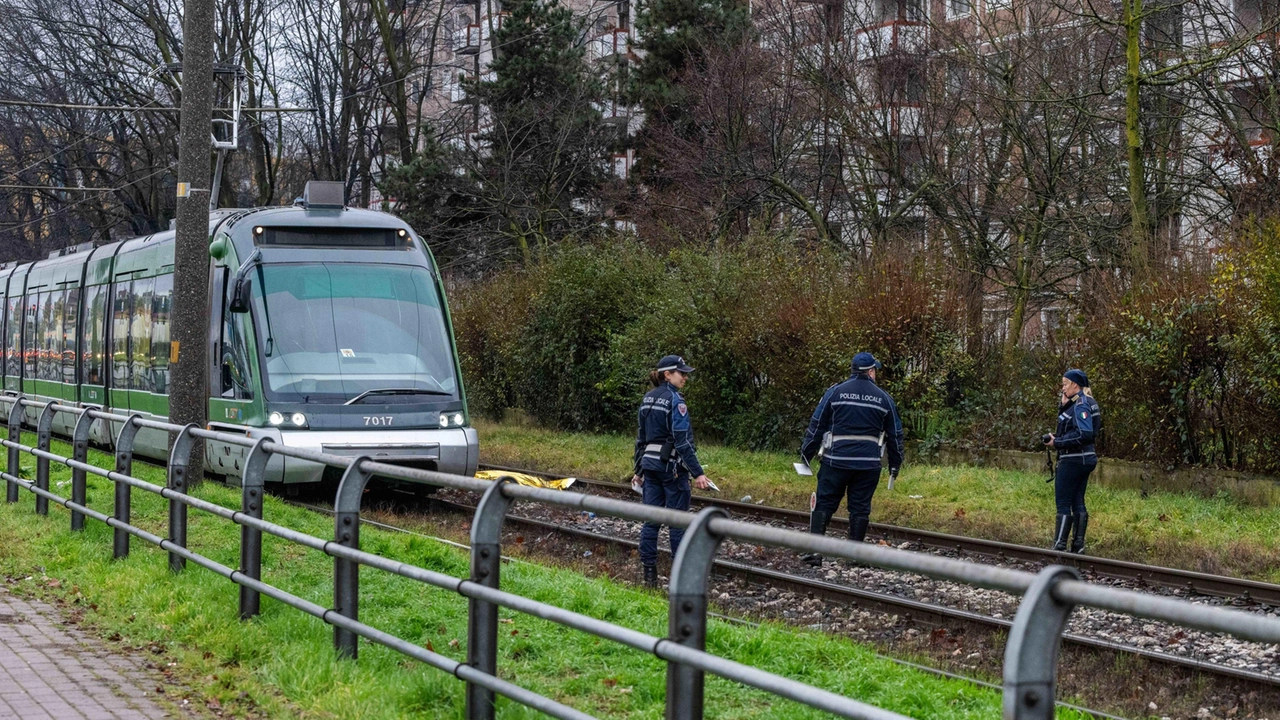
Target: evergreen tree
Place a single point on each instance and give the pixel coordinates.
(437, 200)
(675, 36)
(546, 149)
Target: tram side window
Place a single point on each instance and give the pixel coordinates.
(30, 341)
(70, 318)
(50, 334)
(140, 335)
(121, 307)
(13, 347)
(161, 305)
(91, 349)
(4, 348)
(236, 379)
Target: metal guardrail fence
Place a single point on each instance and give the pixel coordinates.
(1031, 654)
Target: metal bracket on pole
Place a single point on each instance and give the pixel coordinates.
(179, 459)
(346, 573)
(15, 458)
(79, 478)
(482, 617)
(123, 496)
(687, 612)
(44, 433)
(255, 469)
(1031, 655)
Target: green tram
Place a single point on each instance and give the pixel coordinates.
(327, 328)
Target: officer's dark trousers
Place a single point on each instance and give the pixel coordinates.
(835, 483)
(663, 490)
(1069, 485)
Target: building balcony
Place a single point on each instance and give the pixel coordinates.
(455, 87)
(613, 112)
(622, 163)
(466, 40)
(900, 120)
(1251, 64)
(891, 39)
(615, 43)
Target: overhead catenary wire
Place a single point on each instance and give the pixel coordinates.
(55, 188)
(138, 108)
(65, 208)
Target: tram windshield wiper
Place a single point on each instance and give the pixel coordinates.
(395, 391)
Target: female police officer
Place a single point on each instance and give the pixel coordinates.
(1079, 419)
(665, 456)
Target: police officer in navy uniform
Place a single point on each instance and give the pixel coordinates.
(1079, 420)
(665, 456)
(852, 425)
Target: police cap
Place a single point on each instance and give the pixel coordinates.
(1077, 376)
(865, 361)
(673, 362)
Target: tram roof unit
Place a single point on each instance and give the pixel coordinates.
(282, 233)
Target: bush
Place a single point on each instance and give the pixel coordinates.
(770, 324)
(1185, 368)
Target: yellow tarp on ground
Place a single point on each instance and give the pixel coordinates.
(530, 480)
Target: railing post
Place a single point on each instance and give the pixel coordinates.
(124, 493)
(44, 433)
(15, 457)
(179, 459)
(482, 617)
(80, 452)
(255, 468)
(1031, 655)
(687, 613)
(346, 573)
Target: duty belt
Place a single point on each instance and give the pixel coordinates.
(869, 438)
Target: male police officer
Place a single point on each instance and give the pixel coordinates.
(851, 426)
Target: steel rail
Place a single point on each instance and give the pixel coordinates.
(1193, 581)
(915, 610)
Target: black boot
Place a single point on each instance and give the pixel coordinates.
(857, 533)
(858, 528)
(1082, 524)
(1061, 532)
(651, 576)
(818, 521)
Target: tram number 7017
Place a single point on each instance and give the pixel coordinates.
(378, 420)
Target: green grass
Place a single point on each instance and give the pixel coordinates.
(1217, 534)
(282, 664)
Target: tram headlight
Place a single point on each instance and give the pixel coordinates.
(298, 419)
(276, 418)
(451, 420)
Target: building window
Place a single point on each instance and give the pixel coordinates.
(959, 8)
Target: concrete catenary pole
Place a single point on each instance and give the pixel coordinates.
(188, 391)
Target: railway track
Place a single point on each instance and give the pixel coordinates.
(1240, 590)
(913, 610)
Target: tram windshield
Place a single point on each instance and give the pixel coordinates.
(331, 332)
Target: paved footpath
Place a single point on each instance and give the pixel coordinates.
(51, 671)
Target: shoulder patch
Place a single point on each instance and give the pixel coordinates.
(1085, 415)
(684, 409)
